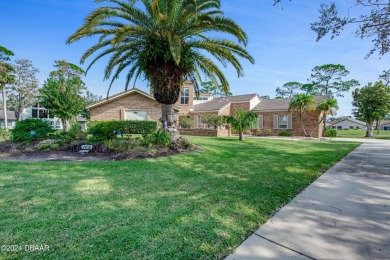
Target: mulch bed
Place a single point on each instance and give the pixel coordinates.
(19, 152)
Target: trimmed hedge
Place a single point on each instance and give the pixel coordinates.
(104, 130)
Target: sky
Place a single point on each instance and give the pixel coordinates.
(280, 40)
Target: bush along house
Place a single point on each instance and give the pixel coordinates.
(273, 115)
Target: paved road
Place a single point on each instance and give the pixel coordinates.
(345, 214)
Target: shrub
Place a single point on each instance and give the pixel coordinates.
(104, 130)
(157, 138)
(180, 144)
(49, 144)
(285, 133)
(75, 131)
(258, 132)
(329, 132)
(186, 122)
(121, 145)
(21, 131)
(4, 134)
(213, 121)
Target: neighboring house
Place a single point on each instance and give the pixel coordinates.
(273, 114)
(385, 125)
(11, 118)
(349, 123)
(37, 111)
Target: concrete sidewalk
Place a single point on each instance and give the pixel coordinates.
(345, 214)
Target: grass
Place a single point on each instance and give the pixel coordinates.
(199, 205)
(358, 133)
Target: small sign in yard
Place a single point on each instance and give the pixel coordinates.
(85, 148)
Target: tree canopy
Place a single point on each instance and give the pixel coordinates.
(372, 103)
(165, 41)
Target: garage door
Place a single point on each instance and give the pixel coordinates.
(136, 115)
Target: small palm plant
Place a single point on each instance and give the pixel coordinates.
(242, 120)
(302, 103)
(166, 41)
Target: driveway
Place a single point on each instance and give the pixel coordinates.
(344, 214)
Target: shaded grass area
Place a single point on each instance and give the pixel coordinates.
(358, 133)
(197, 205)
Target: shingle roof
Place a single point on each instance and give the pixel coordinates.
(10, 115)
(219, 103)
(352, 120)
(123, 93)
(280, 104)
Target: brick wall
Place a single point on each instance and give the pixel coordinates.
(309, 122)
(235, 106)
(114, 110)
(185, 109)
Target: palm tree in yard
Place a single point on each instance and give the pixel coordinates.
(302, 103)
(164, 41)
(326, 108)
(242, 120)
(6, 77)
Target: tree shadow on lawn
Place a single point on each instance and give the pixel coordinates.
(197, 205)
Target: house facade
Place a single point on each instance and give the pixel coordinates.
(273, 115)
(349, 123)
(11, 119)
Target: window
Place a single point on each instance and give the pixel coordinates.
(339, 127)
(2, 123)
(260, 121)
(39, 112)
(333, 127)
(350, 127)
(282, 121)
(185, 96)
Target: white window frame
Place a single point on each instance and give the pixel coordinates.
(185, 96)
(260, 121)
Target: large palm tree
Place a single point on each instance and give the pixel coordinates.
(165, 41)
(6, 77)
(301, 103)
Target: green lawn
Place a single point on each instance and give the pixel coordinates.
(199, 205)
(356, 133)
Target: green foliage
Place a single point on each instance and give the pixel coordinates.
(329, 132)
(241, 121)
(288, 90)
(285, 133)
(24, 90)
(213, 121)
(63, 97)
(104, 130)
(328, 79)
(128, 37)
(76, 131)
(180, 143)
(216, 90)
(371, 102)
(121, 145)
(159, 137)
(372, 20)
(20, 133)
(302, 103)
(48, 144)
(186, 122)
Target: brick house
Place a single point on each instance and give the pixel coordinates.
(273, 114)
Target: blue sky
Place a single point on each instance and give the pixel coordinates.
(279, 39)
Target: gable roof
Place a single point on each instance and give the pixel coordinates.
(351, 120)
(280, 104)
(121, 95)
(219, 103)
(10, 115)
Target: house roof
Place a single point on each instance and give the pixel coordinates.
(280, 104)
(351, 120)
(123, 94)
(10, 115)
(218, 103)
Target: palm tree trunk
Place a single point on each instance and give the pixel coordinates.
(303, 128)
(319, 122)
(5, 108)
(168, 115)
(240, 135)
